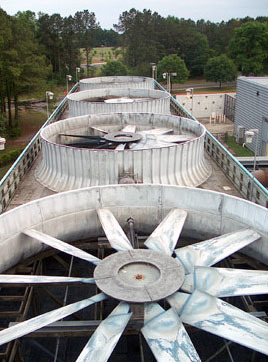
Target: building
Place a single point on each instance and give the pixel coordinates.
(251, 111)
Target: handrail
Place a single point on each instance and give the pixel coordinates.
(15, 174)
(234, 170)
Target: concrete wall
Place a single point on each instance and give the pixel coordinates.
(252, 110)
(203, 105)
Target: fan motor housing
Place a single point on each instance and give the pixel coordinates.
(64, 167)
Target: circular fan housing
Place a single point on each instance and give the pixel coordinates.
(118, 100)
(160, 149)
(72, 215)
(116, 82)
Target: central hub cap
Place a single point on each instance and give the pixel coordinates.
(122, 137)
(139, 275)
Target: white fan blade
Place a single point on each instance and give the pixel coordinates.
(98, 129)
(120, 147)
(104, 339)
(227, 282)
(16, 280)
(177, 301)
(150, 141)
(129, 128)
(164, 238)
(116, 236)
(174, 138)
(61, 245)
(158, 131)
(33, 324)
(210, 252)
(222, 319)
(168, 339)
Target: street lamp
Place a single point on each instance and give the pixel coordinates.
(154, 70)
(167, 77)
(68, 78)
(77, 70)
(249, 137)
(190, 94)
(49, 95)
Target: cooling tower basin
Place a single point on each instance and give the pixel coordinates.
(102, 149)
(116, 82)
(118, 100)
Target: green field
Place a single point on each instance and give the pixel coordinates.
(101, 54)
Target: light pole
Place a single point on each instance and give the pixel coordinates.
(190, 94)
(77, 70)
(68, 78)
(49, 95)
(167, 77)
(249, 137)
(154, 70)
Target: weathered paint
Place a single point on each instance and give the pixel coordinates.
(31, 325)
(211, 251)
(165, 236)
(217, 317)
(104, 339)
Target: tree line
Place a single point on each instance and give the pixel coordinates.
(35, 49)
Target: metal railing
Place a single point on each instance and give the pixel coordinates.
(11, 180)
(240, 177)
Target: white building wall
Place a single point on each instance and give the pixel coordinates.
(204, 104)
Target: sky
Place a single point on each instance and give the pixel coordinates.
(107, 11)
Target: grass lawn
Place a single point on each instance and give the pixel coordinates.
(238, 149)
(3, 170)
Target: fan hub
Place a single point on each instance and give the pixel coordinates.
(122, 137)
(139, 276)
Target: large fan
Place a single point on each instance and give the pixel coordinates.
(184, 277)
(128, 138)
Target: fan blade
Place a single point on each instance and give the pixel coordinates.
(149, 141)
(217, 317)
(61, 245)
(209, 252)
(174, 138)
(152, 310)
(116, 236)
(226, 282)
(98, 129)
(129, 128)
(168, 339)
(15, 280)
(164, 238)
(120, 147)
(31, 325)
(104, 339)
(177, 301)
(158, 131)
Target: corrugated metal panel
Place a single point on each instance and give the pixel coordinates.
(65, 168)
(251, 106)
(154, 101)
(116, 82)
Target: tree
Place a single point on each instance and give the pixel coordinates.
(141, 34)
(249, 48)
(114, 67)
(173, 64)
(220, 69)
(86, 26)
